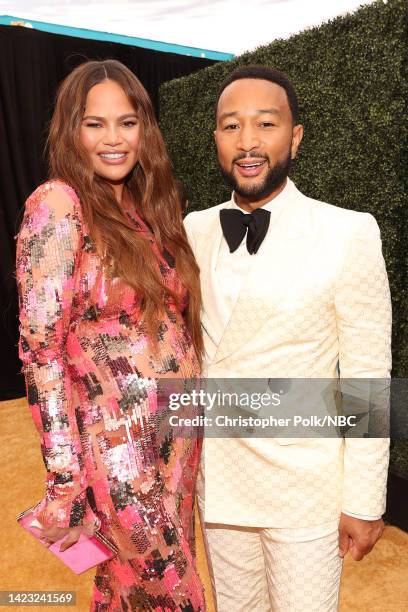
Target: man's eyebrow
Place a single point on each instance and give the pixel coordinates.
(121, 118)
(270, 111)
(226, 115)
(259, 111)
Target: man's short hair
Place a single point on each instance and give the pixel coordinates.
(267, 73)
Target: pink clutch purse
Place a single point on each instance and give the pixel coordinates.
(88, 552)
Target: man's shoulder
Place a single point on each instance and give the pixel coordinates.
(207, 213)
(198, 220)
(337, 217)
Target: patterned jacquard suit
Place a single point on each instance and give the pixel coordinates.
(315, 300)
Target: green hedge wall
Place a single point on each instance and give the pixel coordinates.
(352, 81)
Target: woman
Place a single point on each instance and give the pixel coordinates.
(110, 302)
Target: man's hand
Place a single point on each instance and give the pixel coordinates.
(358, 536)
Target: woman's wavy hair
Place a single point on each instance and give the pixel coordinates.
(151, 185)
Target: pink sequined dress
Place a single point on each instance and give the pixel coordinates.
(90, 379)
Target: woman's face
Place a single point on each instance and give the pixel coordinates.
(110, 132)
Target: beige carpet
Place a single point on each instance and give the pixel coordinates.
(377, 584)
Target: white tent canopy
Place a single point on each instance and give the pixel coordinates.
(230, 26)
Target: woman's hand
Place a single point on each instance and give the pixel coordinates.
(52, 534)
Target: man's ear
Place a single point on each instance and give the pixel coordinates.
(297, 135)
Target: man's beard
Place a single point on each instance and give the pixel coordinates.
(274, 179)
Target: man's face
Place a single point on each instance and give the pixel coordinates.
(255, 138)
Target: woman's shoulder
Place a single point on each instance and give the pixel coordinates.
(55, 194)
(53, 189)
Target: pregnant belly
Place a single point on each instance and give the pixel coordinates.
(115, 377)
(111, 350)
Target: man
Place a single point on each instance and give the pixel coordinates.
(304, 295)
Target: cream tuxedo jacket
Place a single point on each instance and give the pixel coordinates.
(316, 300)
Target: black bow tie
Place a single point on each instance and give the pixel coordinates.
(235, 223)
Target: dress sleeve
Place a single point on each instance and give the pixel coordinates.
(48, 246)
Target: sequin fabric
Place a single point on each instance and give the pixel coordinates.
(91, 384)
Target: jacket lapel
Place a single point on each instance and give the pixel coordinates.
(213, 315)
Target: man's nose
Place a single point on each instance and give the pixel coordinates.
(248, 139)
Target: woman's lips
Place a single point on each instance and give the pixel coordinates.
(113, 159)
(250, 168)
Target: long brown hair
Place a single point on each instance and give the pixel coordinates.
(151, 185)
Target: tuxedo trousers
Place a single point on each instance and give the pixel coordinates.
(279, 570)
